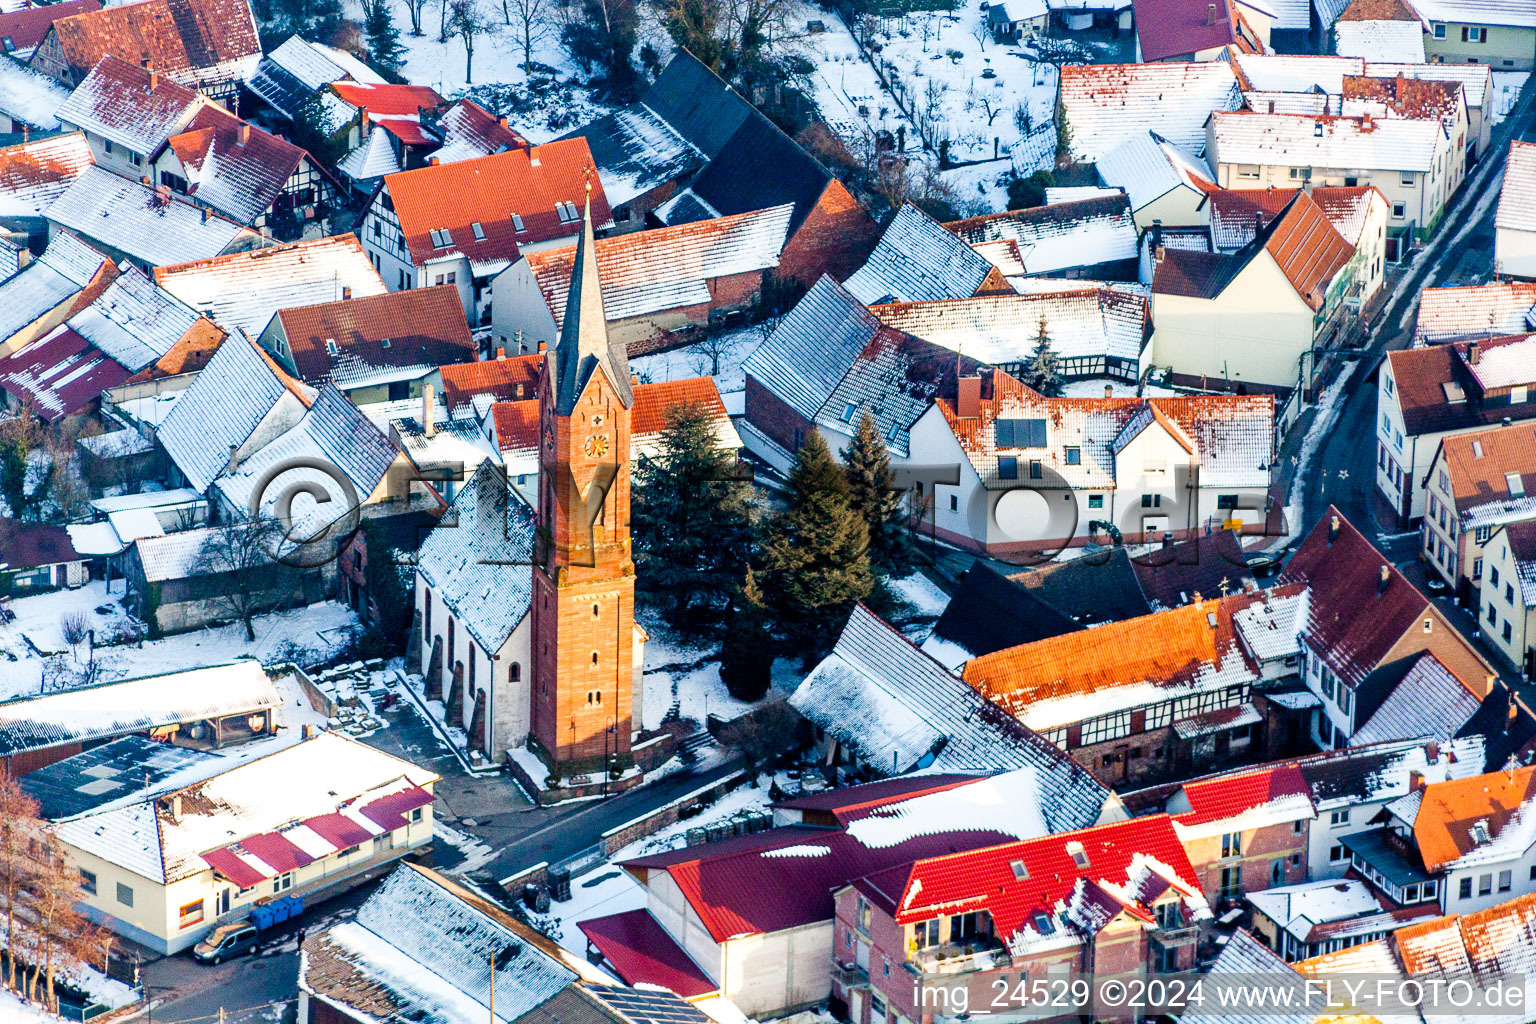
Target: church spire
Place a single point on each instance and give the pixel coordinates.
(584, 341)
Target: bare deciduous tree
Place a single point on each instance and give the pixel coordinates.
(761, 736)
(416, 7)
(468, 22)
(242, 572)
(980, 34)
(992, 109)
(532, 23)
(73, 627)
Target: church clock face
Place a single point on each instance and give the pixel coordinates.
(597, 446)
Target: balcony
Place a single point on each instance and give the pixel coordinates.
(849, 975)
(981, 954)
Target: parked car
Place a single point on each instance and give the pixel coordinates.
(226, 941)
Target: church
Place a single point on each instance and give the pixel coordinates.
(527, 614)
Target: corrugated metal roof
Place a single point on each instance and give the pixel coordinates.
(148, 225)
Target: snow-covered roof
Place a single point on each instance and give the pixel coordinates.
(30, 97)
(810, 350)
(1513, 13)
(243, 290)
(144, 223)
(421, 949)
(1517, 200)
(1397, 41)
(896, 706)
(1475, 79)
(1072, 193)
(1387, 144)
(130, 106)
(1244, 959)
(1262, 72)
(59, 374)
(918, 260)
(309, 63)
(1003, 329)
(133, 321)
(468, 131)
(233, 167)
(230, 398)
(479, 558)
(1148, 167)
(34, 174)
(648, 271)
(1268, 628)
(1493, 310)
(635, 150)
(1300, 908)
(64, 269)
(372, 158)
(326, 775)
(94, 713)
(1105, 104)
(332, 431)
(1429, 703)
(1051, 239)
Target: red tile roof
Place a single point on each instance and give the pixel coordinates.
(507, 379)
(1421, 375)
(655, 402)
(642, 953)
(1445, 827)
(1129, 864)
(59, 374)
(1352, 621)
(58, 159)
(424, 326)
(29, 545)
(487, 191)
(743, 886)
(25, 28)
(1478, 464)
(1308, 249)
(247, 167)
(468, 128)
(858, 801)
(395, 108)
(1229, 796)
(214, 31)
(132, 33)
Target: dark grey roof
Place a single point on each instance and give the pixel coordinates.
(1096, 587)
(809, 352)
(133, 764)
(572, 1006)
(739, 179)
(1173, 575)
(990, 612)
(698, 104)
(649, 1006)
(635, 150)
(1373, 848)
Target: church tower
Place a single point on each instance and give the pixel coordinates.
(584, 577)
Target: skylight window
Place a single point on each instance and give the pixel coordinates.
(1020, 872)
(849, 411)
(1516, 485)
(330, 346)
(567, 211)
(383, 343)
(441, 239)
(1043, 924)
(478, 230)
(1079, 855)
(517, 223)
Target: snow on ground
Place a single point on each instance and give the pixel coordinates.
(32, 646)
(606, 889)
(1506, 91)
(476, 852)
(698, 360)
(14, 1011)
(923, 596)
(687, 673)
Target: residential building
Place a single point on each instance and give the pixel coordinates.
(386, 131)
(22, 29)
(470, 389)
(1165, 184)
(1502, 36)
(59, 377)
(247, 175)
(1244, 831)
(1429, 394)
(164, 864)
(1514, 240)
(373, 348)
(38, 556)
(1258, 316)
(29, 101)
(32, 175)
(147, 226)
(467, 130)
(1379, 30)
(1358, 214)
(242, 291)
(1362, 620)
(990, 612)
(694, 149)
(1095, 330)
(128, 113)
(1477, 482)
(48, 290)
(1475, 312)
(880, 704)
(202, 708)
(1120, 899)
(1134, 468)
(1512, 551)
(1089, 238)
(743, 918)
(422, 945)
(1477, 92)
(1108, 105)
(918, 260)
(1411, 161)
(148, 330)
(658, 282)
(1459, 845)
(292, 72)
(1416, 99)
(464, 223)
(1184, 30)
(1312, 918)
(208, 45)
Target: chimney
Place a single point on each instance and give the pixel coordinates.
(968, 397)
(1109, 391)
(1474, 353)
(234, 459)
(503, 122)
(23, 258)
(1210, 14)
(243, 133)
(501, 353)
(1415, 781)
(543, 345)
(1512, 714)
(346, 292)
(310, 731)
(205, 214)
(1162, 253)
(1432, 752)
(431, 161)
(634, 380)
(428, 393)
(1333, 529)
(174, 806)
(1383, 580)
(362, 122)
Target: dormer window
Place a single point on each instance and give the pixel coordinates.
(517, 223)
(478, 230)
(441, 239)
(1079, 855)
